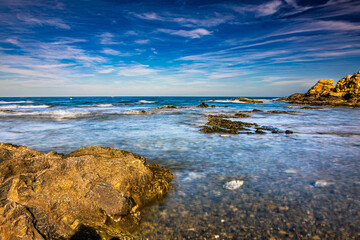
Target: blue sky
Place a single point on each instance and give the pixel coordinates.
(183, 48)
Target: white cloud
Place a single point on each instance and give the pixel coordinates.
(55, 22)
(223, 75)
(268, 8)
(131, 33)
(196, 33)
(186, 20)
(142, 41)
(13, 41)
(27, 72)
(261, 10)
(149, 16)
(108, 39)
(111, 51)
(136, 70)
(108, 70)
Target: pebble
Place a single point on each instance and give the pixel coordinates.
(233, 185)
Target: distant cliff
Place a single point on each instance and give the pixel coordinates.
(345, 93)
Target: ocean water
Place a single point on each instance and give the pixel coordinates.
(304, 185)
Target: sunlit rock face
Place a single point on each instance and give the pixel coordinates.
(51, 196)
(345, 93)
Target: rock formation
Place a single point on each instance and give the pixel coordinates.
(247, 100)
(203, 105)
(51, 196)
(345, 93)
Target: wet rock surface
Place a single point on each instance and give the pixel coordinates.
(52, 196)
(217, 124)
(345, 93)
(169, 107)
(247, 100)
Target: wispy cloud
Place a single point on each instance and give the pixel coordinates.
(142, 41)
(186, 20)
(107, 70)
(261, 10)
(55, 22)
(196, 33)
(136, 70)
(108, 39)
(111, 51)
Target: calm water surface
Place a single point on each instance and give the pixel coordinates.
(304, 185)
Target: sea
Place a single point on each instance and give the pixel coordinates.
(304, 185)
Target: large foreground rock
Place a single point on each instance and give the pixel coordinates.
(324, 93)
(51, 196)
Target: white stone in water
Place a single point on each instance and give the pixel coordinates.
(233, 185)
(321, 183)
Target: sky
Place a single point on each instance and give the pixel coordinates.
(175, 48)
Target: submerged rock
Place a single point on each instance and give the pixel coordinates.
(247, 100)
(345, 93)
(236, 115)
(169, 107)
(51, 196)
(298, 107)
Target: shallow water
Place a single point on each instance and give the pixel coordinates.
(304, 185)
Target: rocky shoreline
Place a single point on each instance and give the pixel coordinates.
(54, 196)
(346, 93)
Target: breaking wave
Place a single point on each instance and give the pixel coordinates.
(24, 106)
(7, 102)
(146, 101)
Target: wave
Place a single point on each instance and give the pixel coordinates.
(225, 101)
(58, 114)
(103, 105)
(24, 106)
(66, 114)
(237, 101)
(6, 102)
(146, 101)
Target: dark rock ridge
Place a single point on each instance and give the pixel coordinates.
(247, 100)
(52, 196)
(205, 105)
(169, 107)
(217, 124)
(345, 93)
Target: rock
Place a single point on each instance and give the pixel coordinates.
(247, 100)
(237, 115)
(233, 185)
(137, 112)
(322, 87)
(297, 107)
(259, 131)
(217, 124)
(169, 107)
(203, 105)
(345, 93)
(52, 196)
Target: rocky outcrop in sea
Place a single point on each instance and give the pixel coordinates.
(324, 93)
(54, 196)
